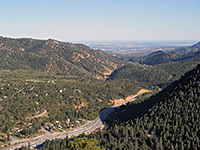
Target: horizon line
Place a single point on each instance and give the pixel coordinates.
(47, 38)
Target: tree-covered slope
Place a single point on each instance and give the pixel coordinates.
(54, 56)
(157, 75)
(168, 120)
(157, 57)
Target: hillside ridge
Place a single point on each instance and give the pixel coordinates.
(57, 57)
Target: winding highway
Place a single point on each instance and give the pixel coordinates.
(86, 128)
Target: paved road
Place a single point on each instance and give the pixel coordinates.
(87, 128)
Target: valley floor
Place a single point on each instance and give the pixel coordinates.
(88, 127)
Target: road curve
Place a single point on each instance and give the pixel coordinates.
(93, 125)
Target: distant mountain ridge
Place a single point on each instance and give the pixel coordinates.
(54, 56)
(159, 57)
(193, 48)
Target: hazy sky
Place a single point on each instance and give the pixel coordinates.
(79, 20)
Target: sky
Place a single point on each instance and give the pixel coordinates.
(101, 20)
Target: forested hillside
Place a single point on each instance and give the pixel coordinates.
(158, 75)
(168, 120)
(154, 58)
(57, 57)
